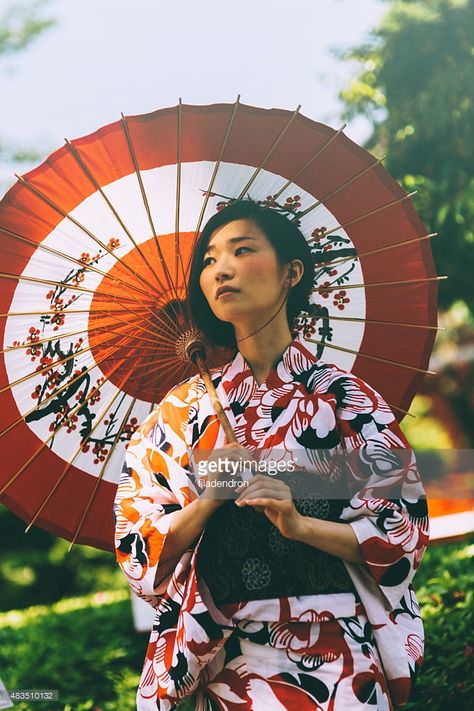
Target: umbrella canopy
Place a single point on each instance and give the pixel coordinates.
(95, 252)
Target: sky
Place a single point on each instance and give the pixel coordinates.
(108, 56)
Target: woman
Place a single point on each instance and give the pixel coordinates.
(267, 602)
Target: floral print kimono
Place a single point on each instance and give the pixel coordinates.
(352, 636)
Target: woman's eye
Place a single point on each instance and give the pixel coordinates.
(207, 261)
(239, 250)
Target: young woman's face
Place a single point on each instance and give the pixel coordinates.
(241, 277)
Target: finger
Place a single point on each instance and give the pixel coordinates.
(259, 493)
(273, 480)
(265, 479)
(255, 490)
(264, 502)
(273, 487)
(262, 493)
(260, 479)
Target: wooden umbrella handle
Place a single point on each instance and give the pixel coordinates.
(216, 403)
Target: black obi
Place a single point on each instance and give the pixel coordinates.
(243, 556)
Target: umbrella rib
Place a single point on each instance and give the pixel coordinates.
(319, 289)
(387, 247)
(169, 367)
(59, 390)
(312, 157)
(131, 334)
(61, 361)
(392, 203)
(340, 187)
(60, 478)
(133, 155)
(55, 393)
(104, 465)
(50, 282)
(371, 357)
(7, 314)
(168, 341)
(379, 322)
(270, 151)
(60, 336)
(400, 409)
(76, 154)
(103, 468)
(208, 192)
(151, 359)
(153, 401)
(163, 371)
(146, 204)
(97, 421)
(145, 353)
(68, 257)
(178, 256)
(96, 327)
(73, 411)
(83, 228)
(105, 314)
(44, 444)
(140, 327)
(150, 353)
(87, 329)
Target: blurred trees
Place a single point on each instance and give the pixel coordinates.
(35, 568)
(415, 82)
(21, 23)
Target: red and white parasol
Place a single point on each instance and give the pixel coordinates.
(96, 245)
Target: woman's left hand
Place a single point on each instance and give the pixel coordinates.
(274, 497)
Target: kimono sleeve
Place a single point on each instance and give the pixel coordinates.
(153, 486)
(387, 511)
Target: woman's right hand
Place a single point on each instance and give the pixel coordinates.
(223, 465)
(188, 523)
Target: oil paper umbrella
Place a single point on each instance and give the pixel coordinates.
(96, 245)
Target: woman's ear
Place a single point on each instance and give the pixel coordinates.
(295, 272)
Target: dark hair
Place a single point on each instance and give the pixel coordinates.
(288, 242)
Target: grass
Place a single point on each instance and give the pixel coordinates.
(86, 647)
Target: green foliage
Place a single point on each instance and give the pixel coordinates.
(36, 568)
(445, 591)
(20, 24)
(415, 82)
(426, 432)
(86, 648)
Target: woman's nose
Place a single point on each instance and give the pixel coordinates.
(223, 269)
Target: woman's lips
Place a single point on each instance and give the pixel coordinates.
(225, 292)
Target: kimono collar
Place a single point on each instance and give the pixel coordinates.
(237, 376)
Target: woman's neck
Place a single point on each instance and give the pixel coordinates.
(263, 350)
